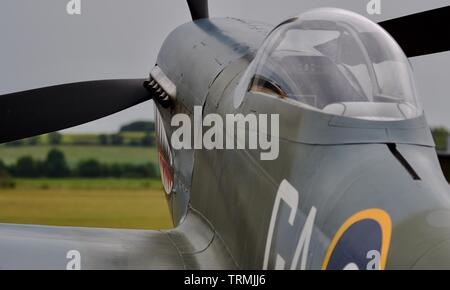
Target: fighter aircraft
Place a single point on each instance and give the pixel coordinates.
(356, 185)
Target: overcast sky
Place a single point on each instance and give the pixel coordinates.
(41, 45)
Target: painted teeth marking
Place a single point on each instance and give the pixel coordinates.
(165, 154)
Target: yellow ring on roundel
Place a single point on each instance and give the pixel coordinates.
(380, 216)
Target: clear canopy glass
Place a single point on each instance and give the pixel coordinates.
(338, 62)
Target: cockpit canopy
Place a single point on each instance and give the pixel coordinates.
(338, 62)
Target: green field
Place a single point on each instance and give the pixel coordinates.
(76, 153)
(88, 183)
(111, 203)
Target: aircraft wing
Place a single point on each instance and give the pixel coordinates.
(192, 245)
(47, 247)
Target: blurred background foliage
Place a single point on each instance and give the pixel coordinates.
(440, 136)
(98, 180)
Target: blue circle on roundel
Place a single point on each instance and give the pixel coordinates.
(354, 245)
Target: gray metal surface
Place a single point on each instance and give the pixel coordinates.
(339, 181)
(376, 185)
(41, 247)
(339, 165)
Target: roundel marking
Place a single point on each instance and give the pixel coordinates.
(362, 239)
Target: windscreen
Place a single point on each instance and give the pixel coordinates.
(338, 62)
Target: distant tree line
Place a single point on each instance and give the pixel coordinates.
(440, 136)
(140, 133)
(120, 140)
(139, 126)
(55, 166)
(5, 177)
(55, 139)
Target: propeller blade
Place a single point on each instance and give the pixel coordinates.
(422, 33)
(198, 8)
(444, 160)
(38, 111)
